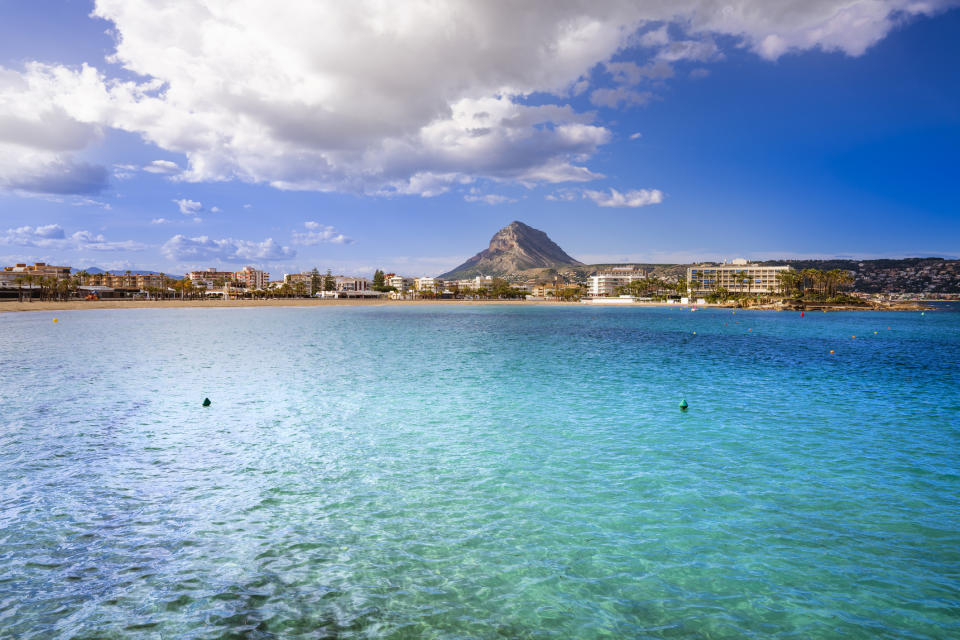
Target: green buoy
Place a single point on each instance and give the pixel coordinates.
(683, 405)
(206, 402)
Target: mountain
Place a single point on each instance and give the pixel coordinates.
(516, 247)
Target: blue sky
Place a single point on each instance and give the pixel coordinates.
(352, 136)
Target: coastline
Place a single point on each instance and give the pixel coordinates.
(85, 305)
(13, 306)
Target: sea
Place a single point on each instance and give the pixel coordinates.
(463, 471)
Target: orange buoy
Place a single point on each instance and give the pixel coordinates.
(55, 320)
(831, 350)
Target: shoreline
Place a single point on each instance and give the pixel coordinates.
(86, 305)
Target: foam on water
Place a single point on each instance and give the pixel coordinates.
(438, 472)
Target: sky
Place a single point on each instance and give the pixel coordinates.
(182, 134)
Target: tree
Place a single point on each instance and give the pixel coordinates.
(316, 282)
(378, 279)
(329, 283)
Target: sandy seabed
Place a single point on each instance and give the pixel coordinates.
(80, 305)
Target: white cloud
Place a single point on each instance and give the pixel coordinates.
(636, 136)
(316, 233)
(214, 209)
(165, 167)
(53, 236)
(614, 98)
(189, 207)
(204, 248)
(632, 198)
(309, 96)
(160, 221)
(488, 198)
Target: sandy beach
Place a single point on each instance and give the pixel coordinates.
(83, 305)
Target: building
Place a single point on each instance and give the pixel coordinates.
(306, 278)
(428, 284)
(10, 275)
(399, 283)
(755, 278)
(211, 278)
(345, 284)
(559, 290)
(479, 282)
(606, 281)
(138, 281)
(252, 278)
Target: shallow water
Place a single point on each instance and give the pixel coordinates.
(479, 472)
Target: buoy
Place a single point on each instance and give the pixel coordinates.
(801, 314)
(874, 333)
(206, 402)
(831, 350)
(853, 337)
(694, 333)
(749, 329)
(55, 320)
(683, 405)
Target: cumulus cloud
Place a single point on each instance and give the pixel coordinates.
(316, 233)
(165, 167)
(53, 236)
(189, 207)
(385, 98)
(39, 138)
(203, 248)
(632, 198)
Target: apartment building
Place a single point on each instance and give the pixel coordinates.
(399, 283)
(252, 278)
(705, 278)
(139, 281)
(606, 281)
(210, 277)
(428, 284)
(10, 275)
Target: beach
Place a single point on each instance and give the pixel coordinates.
(84, 305)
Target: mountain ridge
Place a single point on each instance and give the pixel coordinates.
(516, 247)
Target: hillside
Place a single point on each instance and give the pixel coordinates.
(515, 249)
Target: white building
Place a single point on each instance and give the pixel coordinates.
(348, 284)
(479, 282)
(756, 278)
(399, 283)
(428, 284)
(606, 282)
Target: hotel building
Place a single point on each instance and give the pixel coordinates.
(706, 278)
(606, 281)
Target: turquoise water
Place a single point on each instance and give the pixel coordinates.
(479, 472)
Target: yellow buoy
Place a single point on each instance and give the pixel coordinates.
(55, 320)
(694, 333)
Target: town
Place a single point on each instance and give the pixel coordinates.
(738, 283)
